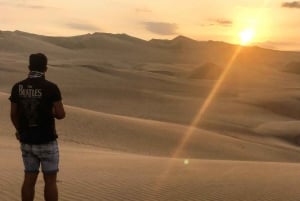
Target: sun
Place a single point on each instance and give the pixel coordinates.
(246, 36)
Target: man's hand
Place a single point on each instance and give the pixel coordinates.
(58, 110)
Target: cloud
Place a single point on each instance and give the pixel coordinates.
(82, 26)
(31, 6)
(161, 28)
(223, 22)
(143, 10)
(217, 22)
(22, 4)
(4, 2)
(293, 4)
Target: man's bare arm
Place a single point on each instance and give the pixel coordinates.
(58, 110)
(14, 115)
(15, 118)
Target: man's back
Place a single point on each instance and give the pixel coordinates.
(35, 97)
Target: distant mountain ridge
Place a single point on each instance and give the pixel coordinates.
(181, 49)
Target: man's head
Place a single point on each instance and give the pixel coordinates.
(38, 62)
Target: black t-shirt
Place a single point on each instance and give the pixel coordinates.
(34, 98)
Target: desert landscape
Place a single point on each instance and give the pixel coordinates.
(161, 120)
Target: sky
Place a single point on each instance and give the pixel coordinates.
(273, 24)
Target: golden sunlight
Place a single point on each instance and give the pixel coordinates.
(246, 36)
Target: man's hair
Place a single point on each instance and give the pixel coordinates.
(38, 62)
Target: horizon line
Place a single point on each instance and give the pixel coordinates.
(252, 45)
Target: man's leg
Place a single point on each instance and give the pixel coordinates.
(51, 192)
(49, 162)
(28, 186)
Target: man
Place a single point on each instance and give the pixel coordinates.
(35, 103)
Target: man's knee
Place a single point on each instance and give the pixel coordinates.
(50, 179)
(30, 179)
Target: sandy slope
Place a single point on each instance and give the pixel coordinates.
(109, 173)
(149, 137)
(105, 175)
(127, 115)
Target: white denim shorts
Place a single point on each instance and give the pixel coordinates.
(45, 156)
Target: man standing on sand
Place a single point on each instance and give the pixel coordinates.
(35, 103)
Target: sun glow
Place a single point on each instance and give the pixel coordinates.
(246, 36)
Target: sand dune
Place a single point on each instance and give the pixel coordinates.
(156, 138)
(105, 175)
(130, 104)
